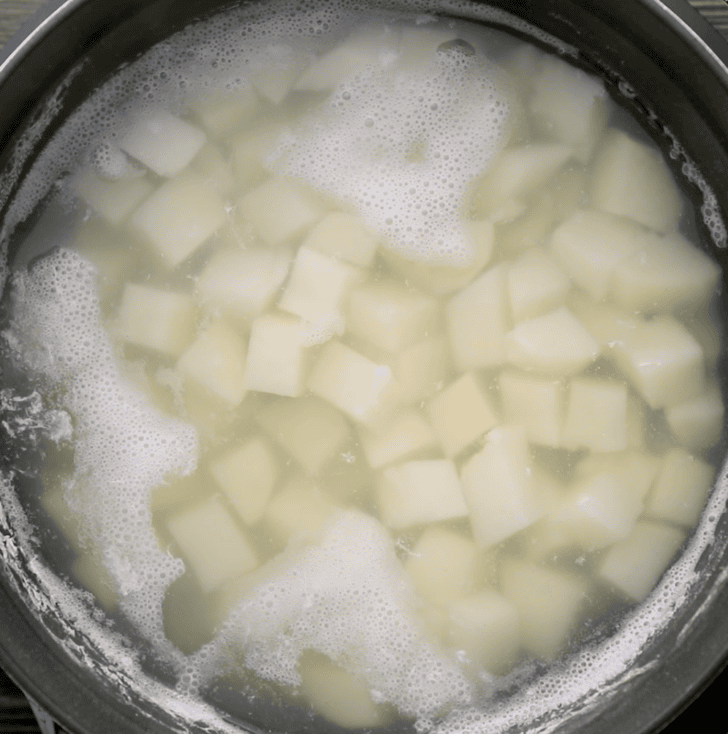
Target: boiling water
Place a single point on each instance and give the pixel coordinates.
(320, 582)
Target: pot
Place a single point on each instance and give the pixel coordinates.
(665, 64)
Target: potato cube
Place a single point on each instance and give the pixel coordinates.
(418, 492)
(216, 362)
(442, 565)
(344, 236)
(222, 115)
(460, 414)
(318, 288)
(664, 274)
(591, 244)
(179, 217)
(486, 627)
(530, 228)
(407, 433)
(634, 565)
(535, 403)
(247, 475)
(632, 180)
(608, 325)
(250, 151)
(549, 603)
(497, 487)
(536, 285)
(636, 470)
(681, 488)
(112, 199)
(698, 422)
(276, 76)
(569, 105)
(161, 141)
(362, 389)
(277, 356)
(477, 321)
(212, 167)
(596, 415)
(299, 511)
(281, 210)
(309, 429)
(243, 283)
(390, 316)
(420, 369)
(663, 361)
(213, 545)
(155, 319)
(553, 344)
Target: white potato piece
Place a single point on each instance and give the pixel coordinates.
(536, 403)
(215, 361)
(407, 433)
(549, 603)
(591, 244)
(460, 414)
(680, 489)
(299, 511)
(250, 151)
(634, 565)
(343, 235)
(606, 323)
(364, 390)
(420, 369)
(277, 360)
(161, 141)
(282, 210)
(274, 77)
(112, 199)
(243, 283)
(308, 428)
(632, 180)
(247, 475)
(213, 168)
(530, 228)
(698, 422)
(596, 415)
(635, 469)
(179, 217)
(213, 545)
(664, 274)
(163, 321)
(487, 628)
(477, 321)
(553, 344)
(536, 285)
(497, 487)
(222, 115)
(419, 492)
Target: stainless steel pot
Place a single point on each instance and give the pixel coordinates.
(666, 64)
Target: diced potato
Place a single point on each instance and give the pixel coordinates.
(178, 493)
(664, 274)
(632, 180)
(407, 433)
(486, 627)
(569, 106)
(222, 115)
(553, 344)
(112, 199)
(211, 542)
(634, 565)
(497, 487)
(163, 321)
(318, 288)
(460, 414)
(179, 217)
(298, 511)
(535, 403)
(596, 415)
(216, 362)
(344, 236)
(663, 361)
(247, 475)
(161, 141)
(681, 488)
(362, 389)
(308, 428)
(338, 696)
(636, 470)
(477, 321)
(282, 210)
(549, 603)
(570, 192)
(390, 316)
(536, 285)
(243, 283)
(591, 244)
(418, 492)
(277, 75)
(607, 324)
(514, 175)
(250, 151)
(212, 167)
(420, 369)
(529, 229)
(96, 578)
(442, 565)
(698, 422)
